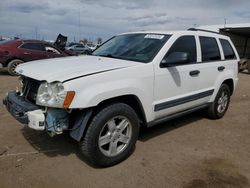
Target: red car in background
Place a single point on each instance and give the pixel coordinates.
(18, 51)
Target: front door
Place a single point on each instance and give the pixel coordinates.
(176, 86)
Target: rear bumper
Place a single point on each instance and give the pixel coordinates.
(18, 106)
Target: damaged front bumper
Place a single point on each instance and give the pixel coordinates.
(36, 117)
(18, 106)
(52, 120)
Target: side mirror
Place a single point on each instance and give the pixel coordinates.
(175, 58)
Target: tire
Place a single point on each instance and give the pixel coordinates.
(115, 126)
(12, 65)
(220, 105)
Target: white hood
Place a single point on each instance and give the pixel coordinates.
(61, 69)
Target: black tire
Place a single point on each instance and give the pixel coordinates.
(214, 112)
(12, 65)
(89, 146)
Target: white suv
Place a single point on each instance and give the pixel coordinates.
(134, 79)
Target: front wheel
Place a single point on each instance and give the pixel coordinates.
(220, 105)
(111, 135)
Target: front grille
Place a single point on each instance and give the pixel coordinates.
(30, 88)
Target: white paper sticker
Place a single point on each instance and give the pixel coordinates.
(154, 36)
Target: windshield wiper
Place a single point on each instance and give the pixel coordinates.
(108, 55)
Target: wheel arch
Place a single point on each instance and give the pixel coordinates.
(84, 116)
(14, 58)
(230, 84)
(132, 100)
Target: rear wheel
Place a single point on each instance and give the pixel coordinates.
(111, 135)
(12, 66)
(220, 105)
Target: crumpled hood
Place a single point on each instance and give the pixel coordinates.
(61, 69)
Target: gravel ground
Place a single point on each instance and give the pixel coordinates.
(190, 152)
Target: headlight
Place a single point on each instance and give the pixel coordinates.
(53, 95)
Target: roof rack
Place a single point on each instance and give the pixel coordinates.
(195, 29)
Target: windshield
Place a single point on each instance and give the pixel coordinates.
(134, 47)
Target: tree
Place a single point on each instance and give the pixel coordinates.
(84, 41)
(99, 40)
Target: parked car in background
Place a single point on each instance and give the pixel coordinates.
(92, 46)
(72, 44)
(80, 49)
(15, 52)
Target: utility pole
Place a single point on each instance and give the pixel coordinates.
(36, 32)
(79, 24)
(225, 22)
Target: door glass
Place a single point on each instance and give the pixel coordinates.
(184, 44)
(209, 49)
(33, 46)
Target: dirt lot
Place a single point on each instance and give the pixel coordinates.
(191, 152)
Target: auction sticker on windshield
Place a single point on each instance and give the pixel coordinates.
(153, 36)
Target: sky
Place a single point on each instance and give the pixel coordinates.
(45, 19)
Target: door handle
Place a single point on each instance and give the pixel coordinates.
(26, 53)
(194, 73)
(221, 68)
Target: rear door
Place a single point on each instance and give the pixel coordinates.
(211, 64)
(32, 51)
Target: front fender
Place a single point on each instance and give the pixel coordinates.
(96, 93)
(92, 90)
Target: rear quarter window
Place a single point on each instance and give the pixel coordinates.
(209, 49)
(227, 49)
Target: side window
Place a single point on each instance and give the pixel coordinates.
(33, 46)
(209, 49)
(227, 49)
(184, 44)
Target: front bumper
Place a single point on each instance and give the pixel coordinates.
(18, 106)
(53, 120)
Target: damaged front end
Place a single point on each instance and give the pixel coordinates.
(23, 106)
(55, 121)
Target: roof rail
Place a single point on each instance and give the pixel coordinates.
(195, 29)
